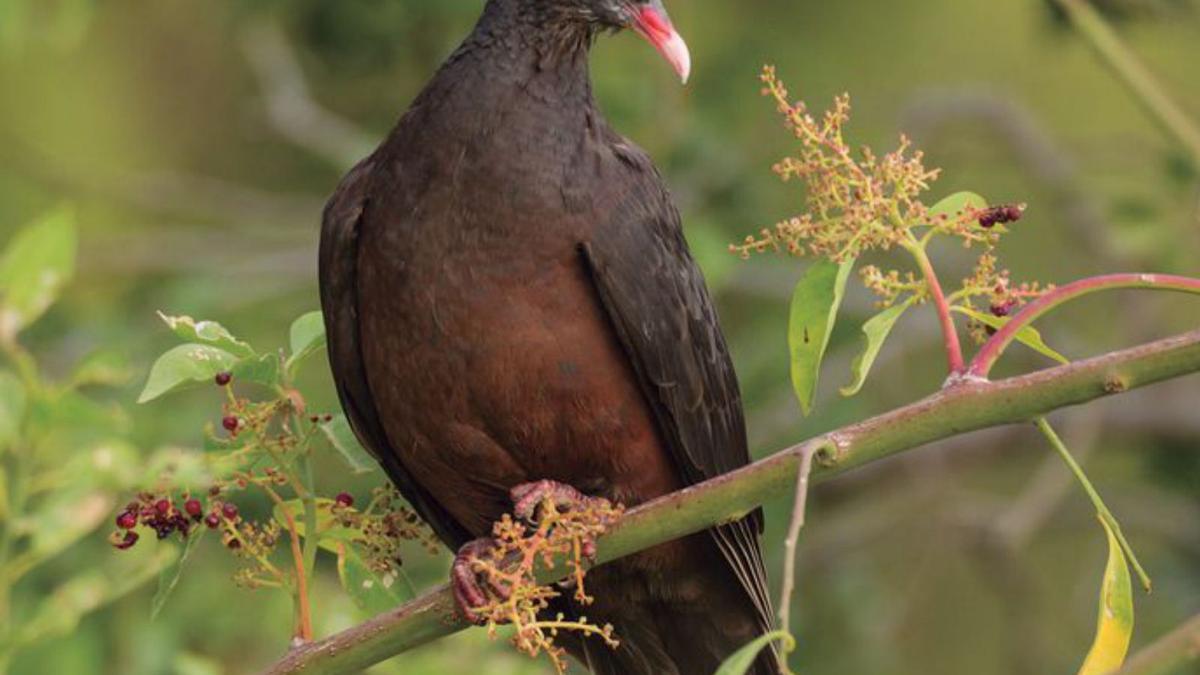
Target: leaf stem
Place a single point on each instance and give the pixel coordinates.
(954, 354)
(987, 356)
(304, 629)
(1097, 501)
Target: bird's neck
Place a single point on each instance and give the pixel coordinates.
(537, 46)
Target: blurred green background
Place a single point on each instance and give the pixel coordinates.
(197, 141)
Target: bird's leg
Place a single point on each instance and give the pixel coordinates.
(473, 590)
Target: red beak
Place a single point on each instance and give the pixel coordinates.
(651, 22)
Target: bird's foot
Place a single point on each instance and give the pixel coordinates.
(529, 499)
(473, 589)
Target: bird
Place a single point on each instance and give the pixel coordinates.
(511, 308)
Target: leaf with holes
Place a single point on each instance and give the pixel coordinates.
(183, 365)
(208, 333)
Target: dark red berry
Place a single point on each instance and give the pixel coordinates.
(194, 508)
(344, 499)
(229, 510)
(127, 520)
(234, 544)
(328, 419)
(213, 521)
(230, 422)
(223, 378)
(1009, 213)
(1003, 309)
(163, 506)
(128, 541)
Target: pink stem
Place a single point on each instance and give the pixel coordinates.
(954, 354)
(994, 347)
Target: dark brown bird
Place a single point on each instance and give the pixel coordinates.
(509, 299)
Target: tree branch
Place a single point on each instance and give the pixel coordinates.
(1168, 654)
(962, 408)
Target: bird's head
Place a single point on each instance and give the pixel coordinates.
(647, 18)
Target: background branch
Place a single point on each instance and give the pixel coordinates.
(1168, 654)
(953, 411)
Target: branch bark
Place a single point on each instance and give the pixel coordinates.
(1168, 654)
(965, 407)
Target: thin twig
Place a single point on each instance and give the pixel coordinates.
(799, 507)
(987, 355)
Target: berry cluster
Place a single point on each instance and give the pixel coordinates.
(165, 516)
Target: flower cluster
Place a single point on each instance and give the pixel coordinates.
(510, 570)
(860, 202)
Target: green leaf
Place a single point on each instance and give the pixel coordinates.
(65, 519)
(262, 370)
(373, 593)
(815, 305)
(307, 336)
(876, 331)
(185, 364)
(103, 368)
(38, 262)
(60, 611)
(954, 205)
(342, 438)
(208, 333)
(168, 578)
(12, 409)
(743, 659)
(1114, 627)
(1028, 336)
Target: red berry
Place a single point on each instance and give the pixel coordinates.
(234, 544)
(1003, 309)
(128, 542)
(230, 422)
(229, 510)
(344, 499)
(127, 520)
(223, 378)
(163, 506)
(213, 521)
(193, 508)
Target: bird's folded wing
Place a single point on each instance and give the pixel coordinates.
(344, 215)
(655, 297)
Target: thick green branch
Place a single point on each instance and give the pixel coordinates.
(1169, 654)
(965, 407)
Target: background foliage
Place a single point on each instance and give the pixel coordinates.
(197, 141)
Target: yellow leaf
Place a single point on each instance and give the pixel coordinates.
(1115, 625)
